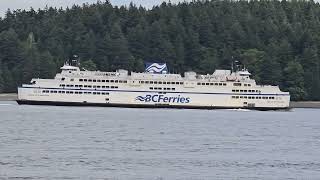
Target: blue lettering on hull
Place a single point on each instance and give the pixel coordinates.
(163, 99)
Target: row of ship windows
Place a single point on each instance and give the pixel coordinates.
(88, 86)
(252, 97)
(75, 92)
(212, 84)
(239, 84)
(159, 82)
(102, 80)
(245, 90)
(160, 88)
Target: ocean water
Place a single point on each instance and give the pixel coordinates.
(48, 142)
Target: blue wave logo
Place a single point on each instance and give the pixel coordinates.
(140, 98)
(156, 68)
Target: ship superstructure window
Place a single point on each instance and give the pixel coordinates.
(211, 84)
(236, 84)
(252, 97)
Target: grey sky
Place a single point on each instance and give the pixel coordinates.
(26, 4)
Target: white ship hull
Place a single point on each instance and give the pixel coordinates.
(157, 88)
(140, 98)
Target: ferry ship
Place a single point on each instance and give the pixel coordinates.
(153, 88)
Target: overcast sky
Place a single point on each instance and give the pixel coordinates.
(26, 4)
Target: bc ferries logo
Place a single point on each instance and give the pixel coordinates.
(156, 67)
(163, 99)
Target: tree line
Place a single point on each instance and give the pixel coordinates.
(278, 41)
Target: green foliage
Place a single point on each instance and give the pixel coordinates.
(89, 65)
(278, 41)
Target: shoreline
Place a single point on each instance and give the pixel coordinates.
(293, 104)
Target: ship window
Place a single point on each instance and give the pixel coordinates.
(76, 86)
(151, 88)
(112, 81)
(124, 81)
(155, 82)
(103, 80)
(98, 86)
(89, 80)
(237, 90)
(107, 87)
(245, 97)
(80, 92)
(94, 80)
(233, 97)
(116, 87)
(198, 83)
(211, 84)
(241, 97)
(98, 80)
(94, 93)
(245, 84)
(71, 79)
(224, 84)
(237, 97)
(241, 90)
(245, 90)
(203, 83)
(253, 97)
(76, 92)
(249, 84)
(107, 80)
(80, 86)
(220, 84)
(80, 80)
(94, 86)
(249, 97)
(216, 84)
(207, 84)
(159, 82)
(43, 91)
(237, 84)
(249, 90)
(85, 86)
(233, 90)
(89, 86)
(98, 93)
(103, 86)
(173, 89)
(181, 82)
(85, 80)
(62, 79)
(89, 92)
(151, 82)
(116, 81)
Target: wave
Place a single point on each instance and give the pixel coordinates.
(155, 67)
(140, 98)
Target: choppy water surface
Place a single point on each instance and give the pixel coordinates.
(48, 142)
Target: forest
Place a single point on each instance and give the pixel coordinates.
(278, 41)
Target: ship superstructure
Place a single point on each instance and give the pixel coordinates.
(153, 88)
